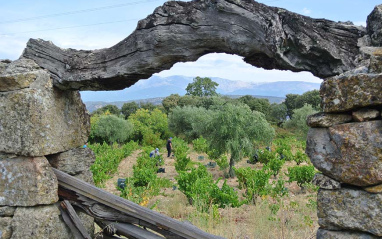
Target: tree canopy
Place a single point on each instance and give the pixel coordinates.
(202, 87)
(234, 128)
(294, 101)
(110, 129)
(150, 127)
(112, 109)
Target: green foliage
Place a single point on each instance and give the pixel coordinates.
(189, 121)
(145, 170)
(256, 104)
(234, 128)
(300, 157)
(283, 148)
(213, 154)
(290, 103)
(111, 109)
(147, 106)
(298, 122)
(294, 101)
(202, 87)
(189, 100)
(145, 183)
(279, 189)
(222, 161)
(282, 145)
(212, 102)
(301, 174)
(170, 102)
(203, 192)
(181, 154)
(311, 98)
(129, 108)
(277, 114)
(150, 127)
(256, 182)
(265, 156)
(200, 144)
(108, 158)
(274, 165)
(110, 129)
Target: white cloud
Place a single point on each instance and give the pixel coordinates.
(232, 67)
(306, 11)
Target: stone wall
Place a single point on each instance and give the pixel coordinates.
(40, 126)
(345, 145)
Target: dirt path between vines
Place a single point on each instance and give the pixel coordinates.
(125, 169)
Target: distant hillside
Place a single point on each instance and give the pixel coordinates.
(156, 88)
(94, 105)
(164, 86)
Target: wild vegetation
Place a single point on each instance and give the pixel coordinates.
(237, 162)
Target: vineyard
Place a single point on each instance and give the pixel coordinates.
(271, 195)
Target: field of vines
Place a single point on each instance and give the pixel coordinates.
(271, 195)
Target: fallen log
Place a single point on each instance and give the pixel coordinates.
(160, 221)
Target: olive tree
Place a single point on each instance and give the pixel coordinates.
(188, 121)
(111, 129)
(233, 129)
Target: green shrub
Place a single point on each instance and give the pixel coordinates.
(203, 192)
(110, 129)
(300, 157)
(145, 183)
(150, 127)
(223, 162)
(213, 154)
(301, 174)
(279, 189)
(256, 182)
(181, 154)
(108, 158)
(200, 144)
(264, 156)
(274, 165)
(144, 171)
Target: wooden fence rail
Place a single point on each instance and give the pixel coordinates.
(126, 215)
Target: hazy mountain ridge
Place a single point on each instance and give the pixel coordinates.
(157, 86)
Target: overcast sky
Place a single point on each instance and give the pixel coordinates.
(85, 24)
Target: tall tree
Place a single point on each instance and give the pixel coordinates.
(277, 114)
(170, 102)
(310, 97)
(294, 101)
(257, 104)
(234, 129)
(149, 125)
(202, 87)
(290, 103)
(111, 129)
(129, 108)
(112, 109)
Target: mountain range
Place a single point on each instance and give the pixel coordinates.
(160, 87)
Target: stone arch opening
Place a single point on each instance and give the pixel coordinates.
(41, 112)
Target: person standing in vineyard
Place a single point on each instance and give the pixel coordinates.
(169, 147)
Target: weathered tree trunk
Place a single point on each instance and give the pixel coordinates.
(268, 37)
